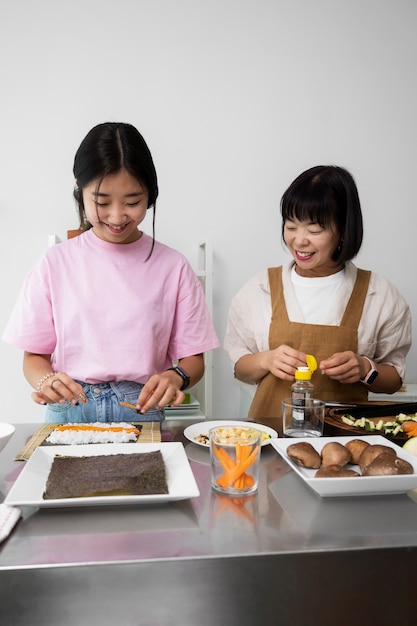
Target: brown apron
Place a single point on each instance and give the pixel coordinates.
(319, 340)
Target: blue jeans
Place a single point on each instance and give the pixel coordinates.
(103, 405)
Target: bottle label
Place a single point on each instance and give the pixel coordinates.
(300, 400)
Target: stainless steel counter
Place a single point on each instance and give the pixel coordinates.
(283, 556)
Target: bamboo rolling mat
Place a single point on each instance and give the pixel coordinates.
(150, 432)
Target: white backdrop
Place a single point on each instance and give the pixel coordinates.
(235, 98)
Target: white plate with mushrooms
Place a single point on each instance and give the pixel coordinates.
(357, 484)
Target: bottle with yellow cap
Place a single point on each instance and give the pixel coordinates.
(302, 389)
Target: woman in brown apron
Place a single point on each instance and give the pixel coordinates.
(322, 229)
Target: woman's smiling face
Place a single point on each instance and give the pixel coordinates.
(312, 247)
(116, 206)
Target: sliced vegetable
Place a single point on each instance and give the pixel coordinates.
(242, 452)
(230, 476)
(391, 428)
(410, 428)
(225, 460)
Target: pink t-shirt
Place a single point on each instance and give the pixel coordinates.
(105, 313)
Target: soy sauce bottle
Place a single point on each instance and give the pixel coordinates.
(302, 390)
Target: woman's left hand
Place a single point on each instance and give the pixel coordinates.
(346, 367)
(164, 388)
(160, 390)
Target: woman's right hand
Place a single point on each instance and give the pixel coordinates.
(59, 388)
(51, 387)
(281, 362)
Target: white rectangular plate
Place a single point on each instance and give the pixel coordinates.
(30, 485)
(202, 428)
(357, 486)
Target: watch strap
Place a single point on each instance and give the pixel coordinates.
(185, 377)
(371, 375)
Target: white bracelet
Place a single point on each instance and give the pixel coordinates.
(42, 380)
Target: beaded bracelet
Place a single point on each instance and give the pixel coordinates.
(42, 380)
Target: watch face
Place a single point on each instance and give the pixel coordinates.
(372, 377)
(184, 376)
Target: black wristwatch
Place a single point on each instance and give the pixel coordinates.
(183, 374)
(371, 375)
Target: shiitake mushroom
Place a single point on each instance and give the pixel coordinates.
(356, 447)
(372, 452)
(304, 454)
(335, 471)
(387, 465)
(334, 453)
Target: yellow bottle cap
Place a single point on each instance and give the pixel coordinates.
(311, 362)
(303, 373)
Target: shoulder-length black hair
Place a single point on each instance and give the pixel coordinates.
(106, 149)
(327, 195)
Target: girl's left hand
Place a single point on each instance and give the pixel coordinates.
(160, 390)
(346, 367)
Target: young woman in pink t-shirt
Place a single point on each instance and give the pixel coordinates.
(111, 315)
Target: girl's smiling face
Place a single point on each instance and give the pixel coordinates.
(116, 206)
(312, 247)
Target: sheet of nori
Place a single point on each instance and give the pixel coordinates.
(106, 475)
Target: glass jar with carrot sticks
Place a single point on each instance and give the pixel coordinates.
(234, 457)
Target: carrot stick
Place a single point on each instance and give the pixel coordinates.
(228, 464)
(244, 480)
(239, 482)
(129, 406)
(246, 452)
(113, 429)
(230, 476)
(249, 480)
(225, 460)
(410, 428)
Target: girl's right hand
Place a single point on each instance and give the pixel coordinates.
(59, 388)
(283, 361)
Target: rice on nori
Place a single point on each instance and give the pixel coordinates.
(96, 432)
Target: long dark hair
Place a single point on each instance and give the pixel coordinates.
(327, 195)
(106, 149)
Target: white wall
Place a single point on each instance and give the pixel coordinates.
(235, 98)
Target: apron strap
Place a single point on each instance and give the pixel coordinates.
(354, 308)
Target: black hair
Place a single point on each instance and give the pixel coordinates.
(106, 149)
(327, 195)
